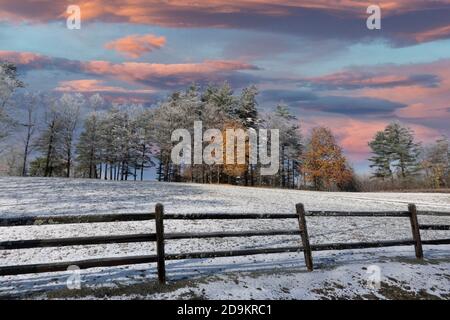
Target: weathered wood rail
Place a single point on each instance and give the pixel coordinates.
(159, 237)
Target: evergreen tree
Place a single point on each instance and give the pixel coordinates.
(247, 108)
(404, 150)
(381, 160)
(291, 145)
(9, 83)
(246, 113)
(88, 147)
(395, 151)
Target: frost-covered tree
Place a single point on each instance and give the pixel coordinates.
(31, 101)
(405, 151)
(220, 98)
(291, 146)
(9, 83)
(145, 142)
(247, 107)
(89, 146)
(179, 111)
(69, 108)
(382, 156)
(120, 139)
(218, 112)
(436, 163)
(246, 113)
(50, 143)
(57, 138)
(395, 151)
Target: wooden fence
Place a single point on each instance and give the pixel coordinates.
(160, 237)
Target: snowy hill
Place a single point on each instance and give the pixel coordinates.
(262, 276)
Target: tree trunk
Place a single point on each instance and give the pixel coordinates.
(25, 155)
(47, 172)
(69, 160)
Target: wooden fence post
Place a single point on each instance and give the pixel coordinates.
(415, 230)
(159, 221)
(304, 234)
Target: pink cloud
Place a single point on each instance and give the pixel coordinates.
(92, 85)
(225, 14)
(423, 111)
(354, 79)
(354, 134)
(432, 34)
(155, 11)
(424, 88)
(134, 46)
(145, 72)
(20, 57)
(132, 72)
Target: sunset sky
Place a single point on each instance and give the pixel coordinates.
(316, 56)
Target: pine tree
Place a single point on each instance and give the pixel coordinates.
(395, 151)
(291, 145)
(9, 83)
(219, 99)
(88, 147)
(217, 111)
(246, 113)
(247, 108)
(405, 151)
(381, 160)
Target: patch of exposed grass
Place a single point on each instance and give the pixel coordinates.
(137, 291)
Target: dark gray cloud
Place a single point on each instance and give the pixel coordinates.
(360, 80)
(352, 106)
(308, 101)
(402, 19)
(288, 96)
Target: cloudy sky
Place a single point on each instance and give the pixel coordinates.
(316, 56)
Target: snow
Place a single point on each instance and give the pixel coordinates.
(39, 196)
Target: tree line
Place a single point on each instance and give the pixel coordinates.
(399, 161)
(76, 136)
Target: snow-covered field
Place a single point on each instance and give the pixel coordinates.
(338, 274)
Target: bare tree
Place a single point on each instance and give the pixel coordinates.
(31, 101)
(49, 140)
(70, 105)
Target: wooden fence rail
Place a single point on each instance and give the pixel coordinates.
(160, 237)
(435, 227)
(128, 217)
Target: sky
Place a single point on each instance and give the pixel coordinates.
(318, 57)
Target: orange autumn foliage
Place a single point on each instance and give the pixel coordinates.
(325, 166)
